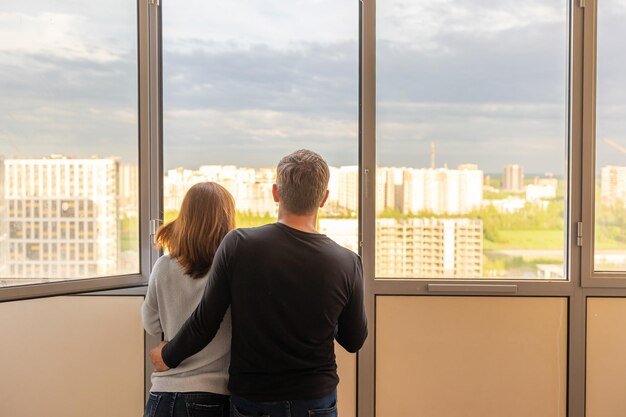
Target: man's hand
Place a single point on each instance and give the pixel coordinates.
(157, 358)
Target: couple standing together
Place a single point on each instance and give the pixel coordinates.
(284, 292)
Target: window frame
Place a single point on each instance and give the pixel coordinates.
(590, 277)
(569, 288)
(572, 168)
(149, 159)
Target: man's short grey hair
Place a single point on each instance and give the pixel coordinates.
(302, 180)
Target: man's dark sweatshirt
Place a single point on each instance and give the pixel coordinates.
(291, 294)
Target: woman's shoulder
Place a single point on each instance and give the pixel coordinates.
(162, 267)
(164, 261)
(167, 268)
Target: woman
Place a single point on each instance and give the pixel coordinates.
(198, 386)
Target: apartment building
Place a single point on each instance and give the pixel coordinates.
(60, 218)
(418, 247)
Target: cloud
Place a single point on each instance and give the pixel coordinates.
(242, 24)
(247, 82)
(423, 25)
(63, 35)
(319, 78)
(68, 76)
(488, 134)
(254, 137)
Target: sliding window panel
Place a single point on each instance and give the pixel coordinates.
(471, 356)
(472, 139)
(246, 83)
(610, 156)
(68, 141)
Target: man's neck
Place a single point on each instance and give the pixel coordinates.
(304, 223)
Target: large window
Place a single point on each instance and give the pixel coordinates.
(68, 140)
(610, 192)
(472, 115)
(247, 82)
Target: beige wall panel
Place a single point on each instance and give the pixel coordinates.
(606, 357)
(72, 357)
(346, 391)
(471, 356)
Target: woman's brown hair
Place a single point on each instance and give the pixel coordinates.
(206, 215)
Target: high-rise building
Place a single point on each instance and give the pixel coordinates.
(429, 248)
(418, 247)
(513, 179)
(175, 184)
(442, 190)
(129, 189)
(406, 190)
(389, 188)
(343, 231)
(347, 179)
(333, 187)
(263, 202)
(251, 188)
(543, 188)
(613, 186)
(60, 219)
(4, 225)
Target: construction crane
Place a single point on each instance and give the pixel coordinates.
(615, 145)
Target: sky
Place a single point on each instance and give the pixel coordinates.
(246, 82)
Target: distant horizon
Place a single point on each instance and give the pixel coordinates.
(197, 167)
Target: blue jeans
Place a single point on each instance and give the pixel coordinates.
(187, 404)
(322, 407)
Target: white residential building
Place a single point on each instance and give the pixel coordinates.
(507, 205)
(442, 190)
(613, 185)
(60, 218)
(251, 188)
(346, 179)
(129, 189)
(544, 190)
(418, 247)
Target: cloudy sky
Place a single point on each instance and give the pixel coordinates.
(247, 81)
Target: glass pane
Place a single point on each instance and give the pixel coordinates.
(610, 221)
(471, 138)
(247, 82)
(68, 140)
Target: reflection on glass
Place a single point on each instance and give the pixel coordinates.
(68, 141)
(471, 134)
(610, 213)
(247, 82)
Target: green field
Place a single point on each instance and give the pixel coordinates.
(541, 239)
(242, 219)
(610, 244)
(526, 239)
(497, 237)
(129, 229)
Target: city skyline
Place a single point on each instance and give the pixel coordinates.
(498, 172)
(57, 197)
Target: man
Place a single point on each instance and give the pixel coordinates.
(292, 291)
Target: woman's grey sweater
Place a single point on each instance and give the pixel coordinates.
(172, 297)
